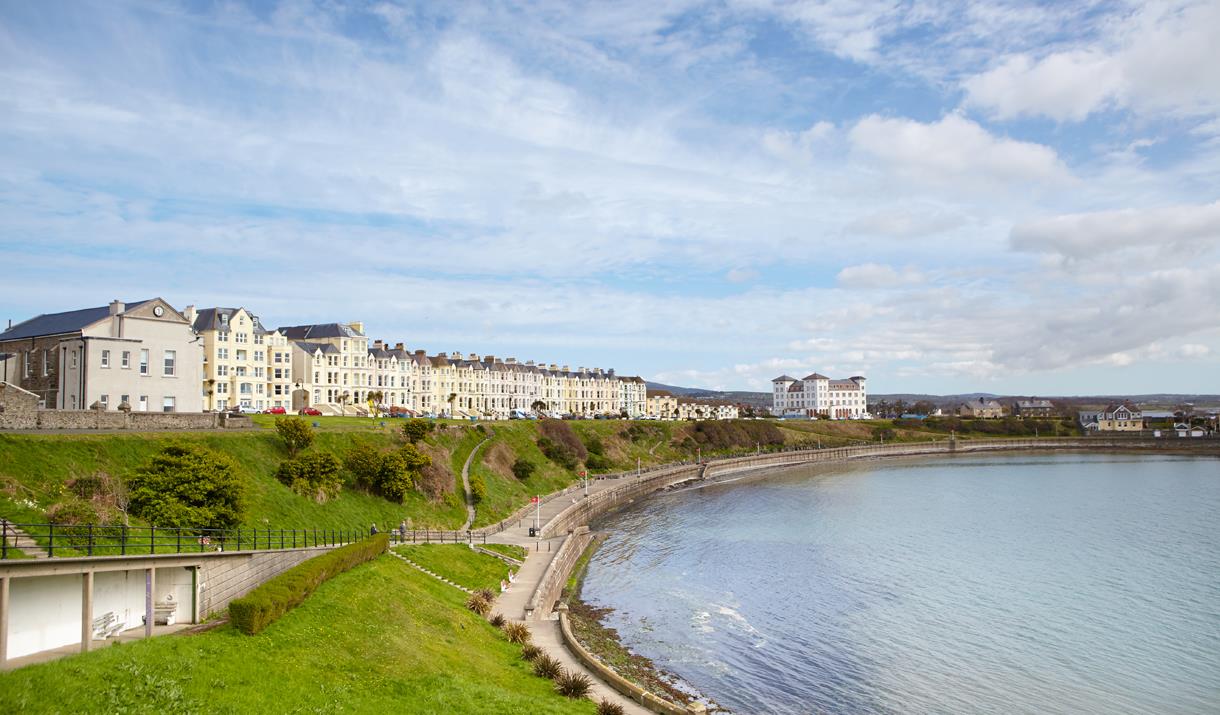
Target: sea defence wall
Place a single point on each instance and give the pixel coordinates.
(51, 603)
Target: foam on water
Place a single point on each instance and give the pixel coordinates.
(977, 584)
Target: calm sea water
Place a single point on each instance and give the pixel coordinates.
(990, 584)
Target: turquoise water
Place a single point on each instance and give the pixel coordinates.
(1063, 583)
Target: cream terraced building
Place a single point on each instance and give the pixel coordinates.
(244, 364)
(816, 395)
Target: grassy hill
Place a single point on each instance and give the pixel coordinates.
(34, 468)
(382, 637)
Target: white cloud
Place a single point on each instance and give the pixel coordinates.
(957, 151)
(1083, 235)
(873, 275)
(1066, 85)
(1154, 60)
(742, 275)
(906, 222)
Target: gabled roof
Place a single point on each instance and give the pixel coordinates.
(221, 319)
(321, 330)
(59, 323)
(815, 376)
(796, 387)
(784, 378)
(326, 348)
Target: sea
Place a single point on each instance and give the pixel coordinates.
(999, 583)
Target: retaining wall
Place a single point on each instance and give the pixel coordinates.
(551, 586)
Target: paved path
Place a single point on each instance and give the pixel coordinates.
(511, 604)
(466, 481)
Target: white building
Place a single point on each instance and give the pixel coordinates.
(819, 396)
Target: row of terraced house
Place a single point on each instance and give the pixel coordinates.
(148, 356)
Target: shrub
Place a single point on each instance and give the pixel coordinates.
(497, 620)
(415, 430)
(530, 652)
(267, 603)
(188, 485)
(573, 684)
(486, 593)
(478, 488)
(478, 603)
(523, 468)
(598, 463)
(296, 433)
(593, 444)
(560, 444)
(517, 632)
(547, 667)
(312, 475)
(72, 510)
(605, 707)
(389, 474)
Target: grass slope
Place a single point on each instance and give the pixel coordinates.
(382, 637)
(458, 563)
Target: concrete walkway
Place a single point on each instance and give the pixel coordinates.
(466, 481)
(511, 604)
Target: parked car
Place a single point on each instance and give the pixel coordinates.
(311, 411)
(276, 411)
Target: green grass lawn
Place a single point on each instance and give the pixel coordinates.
(510, 550)
(458, 563)
(382, 637)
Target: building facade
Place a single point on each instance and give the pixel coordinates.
(1118, 417)
(981, 408)
(816, 395)
(244, 364)
(143, 356)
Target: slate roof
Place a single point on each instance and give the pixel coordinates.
(326, 348)
(211, 319)
(59, 323)
(321, 330)
(784, 378)
(816, 376)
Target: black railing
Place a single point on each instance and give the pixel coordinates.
(74, 540)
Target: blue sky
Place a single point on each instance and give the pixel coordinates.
(944, 196)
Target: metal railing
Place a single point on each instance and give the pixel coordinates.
(75, 540)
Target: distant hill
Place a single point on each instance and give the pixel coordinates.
(763, 399)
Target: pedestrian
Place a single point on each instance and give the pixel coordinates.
(373, 529)
(402, 529)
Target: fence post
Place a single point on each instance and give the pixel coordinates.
(239, 538)
(3, 542)
(123, 541)
(179, 547)
(90, 546)
(281, 538)
(51, 540)
(294, 538)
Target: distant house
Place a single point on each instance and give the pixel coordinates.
(1032, 408)
(1118, 417)
(981, 408)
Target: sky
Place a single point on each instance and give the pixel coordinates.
(946, 197)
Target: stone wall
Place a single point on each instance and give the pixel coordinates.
(551, 586)
(22, 417)
(222, 580)
(18, 407)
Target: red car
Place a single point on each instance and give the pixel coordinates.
(311, 411)
(275, 411)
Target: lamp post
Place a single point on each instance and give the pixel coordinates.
(584, 473)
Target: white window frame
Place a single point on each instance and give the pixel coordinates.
(169, 360)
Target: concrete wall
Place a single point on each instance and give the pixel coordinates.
(551, 586)
(45, 595)
(114, 420)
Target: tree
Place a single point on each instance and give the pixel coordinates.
(188, 485)
(389, 474)
(296, 433)
(452, 397)
(923, 407)
(415, 429)
(312, 475)
(538, 406)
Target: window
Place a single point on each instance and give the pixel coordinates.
(143, 361)
(105, 402)
(279, 357)
(167, 404)
(222, 370)
(241, 355)
(240, 337)
(25, 356)
(125, 360)
(125, 398)
(46, 363)
(240, 370)
(105, 358)
(259, 371)
(245, 388)
(169, 365)
(222, 388)
(258, 339)
(260, 356)
(222, 353)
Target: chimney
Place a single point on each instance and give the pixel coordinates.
(420, 353)
(567, 369)
(357, 325)
(489, 359)
(399, 346)
(529, 363)
(378, 345)
(116, 307)
(473, 357)
(190, 314)
(511, 360)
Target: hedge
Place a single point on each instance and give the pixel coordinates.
(264, 605)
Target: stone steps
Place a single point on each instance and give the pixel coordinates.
(438, 577)
(21, 541)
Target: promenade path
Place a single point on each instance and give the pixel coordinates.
(511, 604)
(466, 481)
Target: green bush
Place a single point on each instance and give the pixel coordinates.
(605, 707)
(598, 463)
(312, 475)
(296, 433)
(559, 443)
(264, 605)
(523, 468)
(415, 430)
(517, 632)
(547, 667)
(389, 474)
(188, 485)
(478, 488)
(573, 684)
